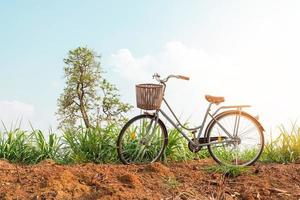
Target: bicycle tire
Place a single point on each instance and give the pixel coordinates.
(247, 116)
(127, 125)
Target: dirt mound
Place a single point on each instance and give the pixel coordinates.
(129, 180)
(5, 165)
(156, 168)
(188, 180)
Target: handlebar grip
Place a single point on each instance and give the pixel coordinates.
(184, 77)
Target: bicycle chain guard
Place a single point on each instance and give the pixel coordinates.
(195, 148)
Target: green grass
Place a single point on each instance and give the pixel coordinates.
(172, 182)
(135, 133)
(227, 170)
(46, 149)
(98, 145)
(177, 149)
(17, 146)
(28, 147)
(285, 148)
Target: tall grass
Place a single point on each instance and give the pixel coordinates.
(98, 145)
(177, 149)
(46, 149)
(16, 146)
(285, 148)
(28, 147)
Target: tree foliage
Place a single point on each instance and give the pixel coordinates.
(88, 97)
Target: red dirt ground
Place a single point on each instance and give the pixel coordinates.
(186, 180)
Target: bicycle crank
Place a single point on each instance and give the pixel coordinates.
(195, 148)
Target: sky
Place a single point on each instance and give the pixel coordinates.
(247, 51)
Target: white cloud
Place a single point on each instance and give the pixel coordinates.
(14, 111)
(241, 81)
(129, 67)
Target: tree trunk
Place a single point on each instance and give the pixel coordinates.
(85, 117)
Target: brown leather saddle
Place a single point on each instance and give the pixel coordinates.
(214, 99)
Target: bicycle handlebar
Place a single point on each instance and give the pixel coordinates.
(157, 78)
(183, 77)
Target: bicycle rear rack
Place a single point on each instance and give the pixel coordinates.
(238, 107)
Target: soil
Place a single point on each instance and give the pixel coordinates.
(185, 180)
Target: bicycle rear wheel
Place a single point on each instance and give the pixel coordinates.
(142, 140)
(246, 145)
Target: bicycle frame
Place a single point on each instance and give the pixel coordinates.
(201, 127)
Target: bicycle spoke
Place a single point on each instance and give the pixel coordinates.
(247, 131)
(236, 157)
(143, 141)
(244, 147)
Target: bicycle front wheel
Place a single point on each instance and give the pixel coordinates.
(243, 145)
(142, 140)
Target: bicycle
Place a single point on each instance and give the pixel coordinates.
(232, 137)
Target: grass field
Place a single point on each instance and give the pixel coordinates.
(98, 145)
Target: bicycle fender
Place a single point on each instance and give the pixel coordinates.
(233, 111)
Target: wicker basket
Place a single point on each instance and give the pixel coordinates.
(149, 96)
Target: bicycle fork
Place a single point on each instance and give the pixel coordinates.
(146, 139)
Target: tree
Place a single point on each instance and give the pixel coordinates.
(88, 97)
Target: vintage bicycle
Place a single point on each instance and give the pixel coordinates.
(232, 137)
